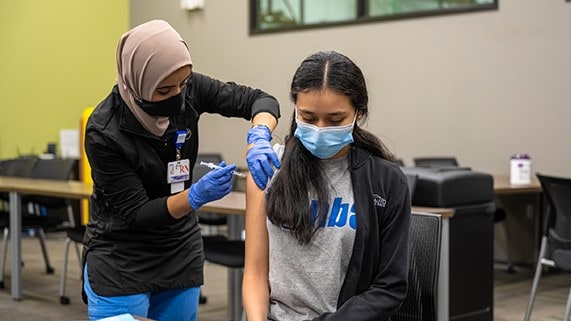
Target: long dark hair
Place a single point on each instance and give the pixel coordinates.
(301, 172)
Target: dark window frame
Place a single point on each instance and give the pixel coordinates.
(362, 18)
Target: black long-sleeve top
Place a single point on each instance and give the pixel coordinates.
(376, 281)
(132, 243)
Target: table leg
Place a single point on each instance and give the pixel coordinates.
(443, 304)
(235, 228)
(235, 294)
(540, 223)
(15, 233)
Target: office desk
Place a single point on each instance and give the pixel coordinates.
(18, 186)
(502, 186)
(235, 204)
(232, 204)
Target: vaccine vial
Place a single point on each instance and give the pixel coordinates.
(520, 169)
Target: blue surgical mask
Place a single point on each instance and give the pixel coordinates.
(324, 142)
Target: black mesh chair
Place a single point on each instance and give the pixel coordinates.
(74, 235)
(40, 219)
(218, 248)
(209, 222)
(56, 169)
(425, 243)
(229, 253)
(555, 249)
(17, 167)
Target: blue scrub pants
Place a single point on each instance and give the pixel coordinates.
(179, 304)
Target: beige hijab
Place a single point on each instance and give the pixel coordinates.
(146, 55)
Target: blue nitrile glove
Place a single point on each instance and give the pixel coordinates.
(213, 186)
(261, 156)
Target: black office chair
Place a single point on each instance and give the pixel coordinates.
(17, 167)
(231, 254)
(555, 249)
(425, 238)
(56, 169)
(449, 162)
(41, 220)
(218, 249)
(74, 235)
(209, 222)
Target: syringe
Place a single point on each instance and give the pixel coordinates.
(213, 166)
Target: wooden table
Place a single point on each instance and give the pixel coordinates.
(21, 186)
(235, 204)
(502, 185)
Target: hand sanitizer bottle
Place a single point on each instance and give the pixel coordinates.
(520, 173)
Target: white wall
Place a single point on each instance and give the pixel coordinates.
(479, 86)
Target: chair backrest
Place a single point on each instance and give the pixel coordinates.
(557, 191)
(18, 167)
(424, 267)
(57, 169)
(4, 163)
(435, 162)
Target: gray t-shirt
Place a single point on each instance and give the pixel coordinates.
(305, 280)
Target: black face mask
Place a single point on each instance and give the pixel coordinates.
(170, 107)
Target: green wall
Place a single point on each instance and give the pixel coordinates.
(57, 57)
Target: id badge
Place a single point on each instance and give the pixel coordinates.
(177, 173)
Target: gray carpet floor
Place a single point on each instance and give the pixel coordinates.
(41, 291)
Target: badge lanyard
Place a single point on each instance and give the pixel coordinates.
(178, 171)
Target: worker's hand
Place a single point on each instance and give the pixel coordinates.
(213, 186)
(261, 156)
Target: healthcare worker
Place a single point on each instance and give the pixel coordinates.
(143, 249)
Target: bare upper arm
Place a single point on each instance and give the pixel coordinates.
(256, 231)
